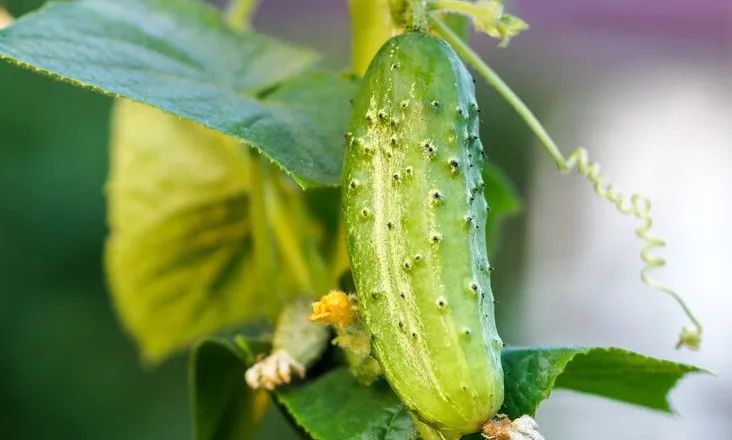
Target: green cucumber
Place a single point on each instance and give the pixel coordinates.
(414, 210)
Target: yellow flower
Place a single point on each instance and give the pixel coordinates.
(335, 308)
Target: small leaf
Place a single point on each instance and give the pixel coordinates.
(532, 373)
(223, 406)
(336, 407)
(178, 55)
(503, 200)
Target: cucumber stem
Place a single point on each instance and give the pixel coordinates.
(416, 15)
(637, 205)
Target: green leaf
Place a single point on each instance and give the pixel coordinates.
(222, 404)
(312, 111)
(532, 373)
(179, 56)
(336, 407)
(503, 200)
(179, 255)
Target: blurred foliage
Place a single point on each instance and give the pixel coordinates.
(184, 254)
(503, 200)
(222, 405)
(66, 371)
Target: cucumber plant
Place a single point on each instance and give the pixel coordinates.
(214, 236)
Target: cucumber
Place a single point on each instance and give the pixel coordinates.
(414, 211)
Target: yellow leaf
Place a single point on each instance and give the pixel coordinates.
(178, 255)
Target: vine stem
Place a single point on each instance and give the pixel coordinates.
(371, 26)
(503, 89)
(239, 13)
(637, 205)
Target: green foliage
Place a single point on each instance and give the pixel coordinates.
(503, 201)
(160, 191)
(315, 107)
(180, 232)
(223, 406)
(64, 360)
(179, 56)
(488, 16)
(336, 406)
(531, 374)
(190, 250)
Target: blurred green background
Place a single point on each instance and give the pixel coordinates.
(68, 371)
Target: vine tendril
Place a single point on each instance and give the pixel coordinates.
(639, 207)
(636, 205)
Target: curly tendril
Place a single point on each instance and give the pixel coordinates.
(638, 206)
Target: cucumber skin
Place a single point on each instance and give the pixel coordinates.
(414, 211)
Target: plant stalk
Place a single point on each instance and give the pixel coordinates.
(239, 14)
(371, 26)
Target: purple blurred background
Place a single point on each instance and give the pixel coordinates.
(669, 26)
